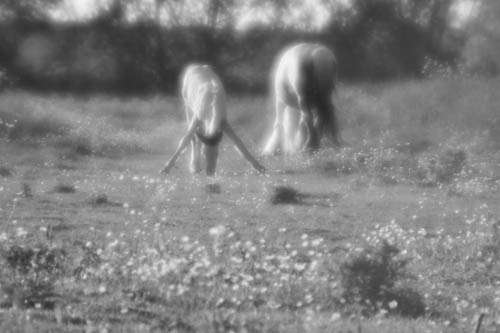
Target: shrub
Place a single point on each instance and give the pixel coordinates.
(102, 199)
(28, 277)
(39, 260)
(370, 280)
(450, 163)
(99, 199)
(441, 168)
(64, 188)
(284, 195)
(5, 172)
(491, 250)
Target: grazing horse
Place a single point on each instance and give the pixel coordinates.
(304, 78)
(205, 105)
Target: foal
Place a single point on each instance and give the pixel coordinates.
(205, 105)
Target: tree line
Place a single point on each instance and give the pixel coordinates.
(136, 46)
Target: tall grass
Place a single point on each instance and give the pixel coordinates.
(437, 133)
(100, 125)
(404, 113)
(430, 110)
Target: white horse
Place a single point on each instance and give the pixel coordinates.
(205, 105)
(304, 78)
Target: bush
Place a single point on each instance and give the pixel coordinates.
(29, 274)
(284, 195)
(5, 172)
(64, 188)
(371, 278)
(441, 168)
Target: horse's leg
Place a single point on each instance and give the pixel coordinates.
(194, 165)
(304, 90)
(274, 144)
(309, 136)
(291, 134)
(211, 154)
(328, 119)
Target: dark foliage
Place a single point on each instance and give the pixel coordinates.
(26, 191)
(99, 199)
(213, 188)
(64, 188)
(284, 195)
(370, 280)
(28, 275)
(443, 168)
(449, 164)
(102, 199)
(105, 54)
(40, 260)
(5, 172)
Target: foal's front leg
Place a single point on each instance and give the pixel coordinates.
(195, 165)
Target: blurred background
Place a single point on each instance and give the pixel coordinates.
(139, 46)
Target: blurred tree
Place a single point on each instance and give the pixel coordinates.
(482, 48)
(432, 16)
(26, 9)
(144, 43)
(208, 23)
(387, 38)
(276, 11)
(18, 17)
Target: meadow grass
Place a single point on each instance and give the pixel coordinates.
(396, 232)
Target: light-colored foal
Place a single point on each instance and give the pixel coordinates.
(205, 105)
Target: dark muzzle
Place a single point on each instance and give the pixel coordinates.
(210, 140)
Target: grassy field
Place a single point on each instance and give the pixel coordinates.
(396, 232)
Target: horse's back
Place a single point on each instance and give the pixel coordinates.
(198, 76)
(204, 96)
(325, 67)
(305, 62)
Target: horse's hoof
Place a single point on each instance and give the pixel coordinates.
(274, 152)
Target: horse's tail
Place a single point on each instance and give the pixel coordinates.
(310, 81)
(319, 97)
